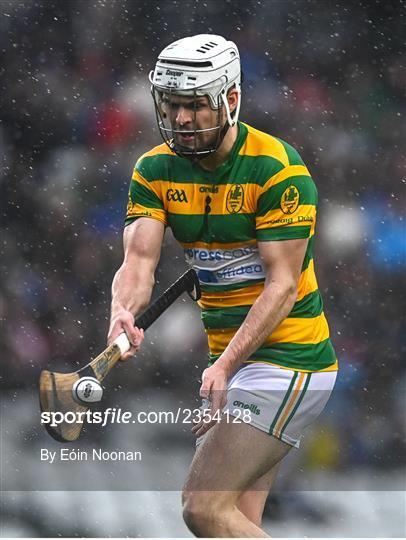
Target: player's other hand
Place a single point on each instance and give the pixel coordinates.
(214, 389)
(124, 322)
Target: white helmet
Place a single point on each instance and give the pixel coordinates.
(202, 65)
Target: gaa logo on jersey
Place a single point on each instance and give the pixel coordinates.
(235, 199)
(176, 195)
(290, 200)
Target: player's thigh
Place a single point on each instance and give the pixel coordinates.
(252, 501)
(233, 457)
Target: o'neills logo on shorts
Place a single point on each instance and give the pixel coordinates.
(250, 407)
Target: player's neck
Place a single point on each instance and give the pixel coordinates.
(215, 160)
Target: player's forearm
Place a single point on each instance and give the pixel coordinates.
(271, 307)
(131, 290)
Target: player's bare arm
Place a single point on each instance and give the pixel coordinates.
(134, 280)
(283, 262)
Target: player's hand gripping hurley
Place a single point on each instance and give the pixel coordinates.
(73, 392)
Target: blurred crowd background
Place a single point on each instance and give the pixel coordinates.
(76, 113)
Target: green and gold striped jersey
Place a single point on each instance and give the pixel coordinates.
(263, 192)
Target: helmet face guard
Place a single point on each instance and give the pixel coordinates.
(172, 134)
(192, 67)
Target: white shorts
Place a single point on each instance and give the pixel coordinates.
(279, 401)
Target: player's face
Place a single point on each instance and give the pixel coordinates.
(187, 114)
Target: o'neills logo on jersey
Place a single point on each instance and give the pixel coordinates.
(208, 189)
(289, 200)
(177, 195)
(235, 199)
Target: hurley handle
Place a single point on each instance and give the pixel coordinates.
(188, 282)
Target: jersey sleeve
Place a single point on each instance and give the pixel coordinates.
(286, 205)
(144, 198)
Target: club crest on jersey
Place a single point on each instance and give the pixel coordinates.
(235, 199)
(176, 195)
(289, 200)
(130, 206)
